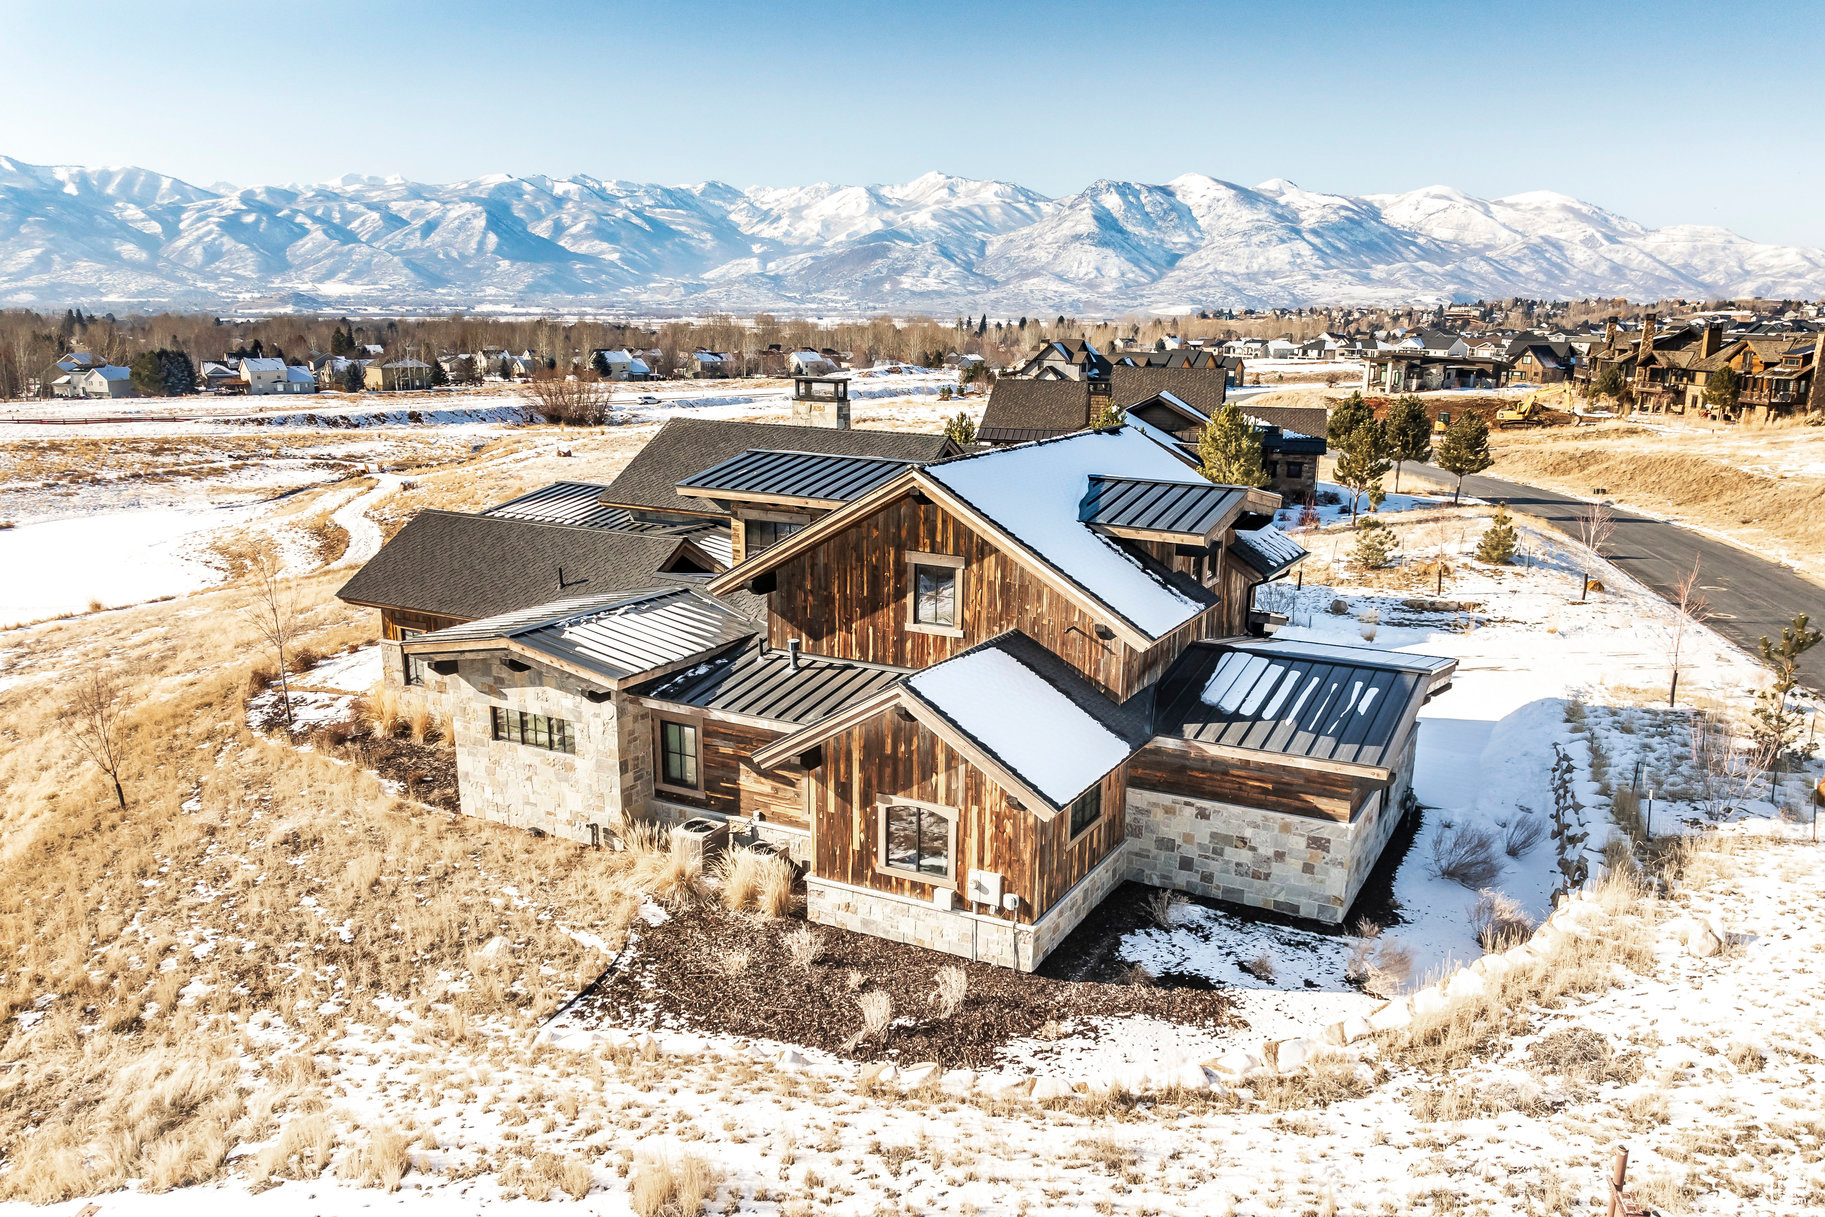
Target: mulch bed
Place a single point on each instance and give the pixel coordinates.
(427, 772)
(677, 977)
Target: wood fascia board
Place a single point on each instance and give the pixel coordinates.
(1177, 743)
(514, 647)
(811, 535)
(1157, 534)
(756, 496)
(788, 746)
(939, 724)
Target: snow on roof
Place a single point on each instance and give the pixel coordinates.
(111, 372)
(809, 357)
(1030, 726)
(1032, 491)
(1268, 550)
(299, 375)
(637, 367)
(263, 365)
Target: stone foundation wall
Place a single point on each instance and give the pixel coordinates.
(527, 786)
(955, 931)
(1304, 867)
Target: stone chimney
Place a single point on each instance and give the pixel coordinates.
(821, 401)
(1815, 397)
(1710, 340)
(1650, 325)
(1609, 331)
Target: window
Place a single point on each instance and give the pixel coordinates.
(765, 534)
(1295, 469)
(1444, 418)
(1087, 810)
(917, 839)
(537, 730)
(678, 755)
(933, 593)
(415, 665)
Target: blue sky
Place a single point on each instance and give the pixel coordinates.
(1666, 112)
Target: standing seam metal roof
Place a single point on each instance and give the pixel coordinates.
(1158, 506)
(799, 475)
(617, 636)
(760, 683)
(579, 504)
(1279, 700)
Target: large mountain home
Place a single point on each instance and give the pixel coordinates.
(972, 693)
(1669, 371)
(1064, 359)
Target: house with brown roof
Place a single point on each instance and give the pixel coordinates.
(970, 697)
(1064, 359)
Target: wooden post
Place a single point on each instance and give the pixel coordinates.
(1619, 1171)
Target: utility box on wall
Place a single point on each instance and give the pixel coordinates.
(984, 888)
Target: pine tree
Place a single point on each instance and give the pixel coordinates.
(1465, 449)
(1498, 543)
(147, 374)
(1362, 462)
(1376, 545)
(1608, 384)
(1347, 415)
(1776, 723)
(438, 377)
(1107, 415)
(1409, 434)
(339, 343)
(1722, 388)
(960, 430)
(353, 377)
(1229, 450)
(982, 327)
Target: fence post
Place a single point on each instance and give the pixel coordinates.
(1619, 1171)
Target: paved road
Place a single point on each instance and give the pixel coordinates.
(1749, 596)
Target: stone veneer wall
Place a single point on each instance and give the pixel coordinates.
(437, 691)
(957, 931)
(530, 787)
(1298, 865)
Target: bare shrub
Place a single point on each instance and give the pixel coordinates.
(301, 1151)
(1163, 906)
(1465, 853)
(672, 1187)
(1747, 1058)
(543, 1173)
(1500, 921)
(733, 962)
(803, 946)
(577, 401)
(1261, 967)
(953, 985)
(1523, 833)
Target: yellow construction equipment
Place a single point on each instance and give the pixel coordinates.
(1526, 413)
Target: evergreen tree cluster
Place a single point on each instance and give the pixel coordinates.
(162, 373)
(1376, 545)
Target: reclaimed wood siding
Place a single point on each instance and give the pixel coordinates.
(1185, 769)
(393, 623)
(846, 598)
(901, 759)
(732, 786)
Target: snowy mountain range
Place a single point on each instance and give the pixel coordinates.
(947, 245)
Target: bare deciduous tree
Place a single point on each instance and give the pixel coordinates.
(1727, 768)
(1690, 608)
(273, 613)
(96, 716)
(1596, 523)
(579, 401)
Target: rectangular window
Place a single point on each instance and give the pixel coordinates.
(1087, 810)
(1295, 469)
(934, 593)
(765, 534)
(678, 755)
(917, 839)
(538, 730)
(415, 665)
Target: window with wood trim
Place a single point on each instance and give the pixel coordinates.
(679, 760)
(1086, 810)
(534, 730)
(416, 666)
(918, 839)
(934, 599)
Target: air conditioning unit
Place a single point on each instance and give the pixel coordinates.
(984, 887)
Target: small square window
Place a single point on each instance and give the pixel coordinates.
(917, 839)
(1295, 469)
(934, 595)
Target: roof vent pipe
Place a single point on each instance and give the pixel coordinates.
(792, 653)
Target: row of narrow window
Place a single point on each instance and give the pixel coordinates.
(536, 730)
